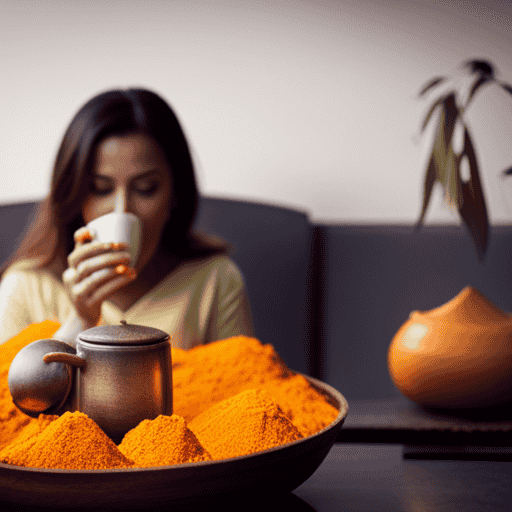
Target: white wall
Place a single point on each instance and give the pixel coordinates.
(305, 103)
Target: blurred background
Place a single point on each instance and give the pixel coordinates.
(309, 104)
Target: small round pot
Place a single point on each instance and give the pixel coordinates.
(456, 356)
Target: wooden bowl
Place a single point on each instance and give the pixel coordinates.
(280, 469)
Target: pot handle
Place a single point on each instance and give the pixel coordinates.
(62, 357)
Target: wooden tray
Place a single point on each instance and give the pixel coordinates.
(280, 469)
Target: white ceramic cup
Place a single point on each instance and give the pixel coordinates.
(118, 227)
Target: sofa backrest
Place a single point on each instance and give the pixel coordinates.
(13, 221)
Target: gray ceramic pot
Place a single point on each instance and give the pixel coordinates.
(119, 376)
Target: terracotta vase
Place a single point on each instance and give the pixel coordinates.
(456, 356)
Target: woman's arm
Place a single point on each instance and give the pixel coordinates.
(234, 316)
(231, 313)
(71, 329)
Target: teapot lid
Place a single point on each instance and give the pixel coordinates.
(124, 334)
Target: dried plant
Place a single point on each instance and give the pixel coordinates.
(444, 164)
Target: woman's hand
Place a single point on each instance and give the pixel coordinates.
(95, 271)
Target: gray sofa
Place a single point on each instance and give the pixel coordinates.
(331, 297)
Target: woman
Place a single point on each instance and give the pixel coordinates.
(124, 151)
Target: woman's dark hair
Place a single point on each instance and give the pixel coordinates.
(116, 112)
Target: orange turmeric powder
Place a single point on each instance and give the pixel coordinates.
(12, 420)
(34, 428)
(164, 441)
(202, 377)
(72, 441)
(246, 423)
(308, 409)
(211, 367)
(224, 368)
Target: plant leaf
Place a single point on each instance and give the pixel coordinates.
(507, 87)
(452, 186)
(481, 67)
(430, 179)
(450, 114)
(442, 165)
(432, 83)
(473, 210)
(431, 111)
(442, 143)
(481, 81)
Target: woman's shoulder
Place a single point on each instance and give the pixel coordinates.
(25, 281)
(30, 268)
(24, 265)
(219, 263)
(217, 268)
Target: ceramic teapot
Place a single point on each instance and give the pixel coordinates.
(119, 375)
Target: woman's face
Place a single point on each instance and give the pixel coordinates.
(131, 174)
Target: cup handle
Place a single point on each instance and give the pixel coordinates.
(62, 357)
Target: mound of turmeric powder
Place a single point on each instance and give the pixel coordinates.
(247, 423)
(207, 374)
(34, 428)
(164, 441)
(73, 441)
(306, 407)
(223, 369)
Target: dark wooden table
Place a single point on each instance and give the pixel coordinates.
(476, 435)
(377, 478)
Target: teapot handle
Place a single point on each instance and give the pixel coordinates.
(61, 357)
